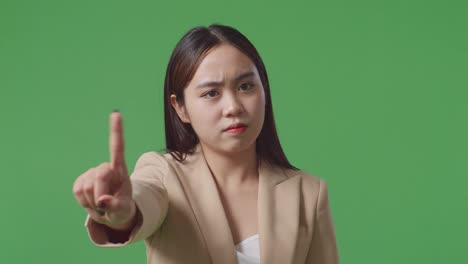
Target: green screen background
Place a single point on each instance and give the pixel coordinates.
(369, 95)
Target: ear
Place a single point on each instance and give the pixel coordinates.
(180, 109)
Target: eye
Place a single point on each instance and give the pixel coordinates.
(210, 94)
(246, 86)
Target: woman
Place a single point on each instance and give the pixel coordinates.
(224, 192)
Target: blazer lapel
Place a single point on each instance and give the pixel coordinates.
(207, 207)
(278, 212)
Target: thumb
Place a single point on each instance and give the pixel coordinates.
(107, 202)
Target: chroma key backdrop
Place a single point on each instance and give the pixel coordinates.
(371, 96)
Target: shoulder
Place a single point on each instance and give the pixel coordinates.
(151, 158)
(313, 188)
(310, 182)
(151, 164)
(165, 162)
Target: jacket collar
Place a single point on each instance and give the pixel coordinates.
(278, 212)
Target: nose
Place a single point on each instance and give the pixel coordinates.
(232, 105)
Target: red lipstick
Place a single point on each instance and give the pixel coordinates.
(236, 128)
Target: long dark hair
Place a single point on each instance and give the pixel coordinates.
(181, 139)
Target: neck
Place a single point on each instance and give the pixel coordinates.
(232, 170)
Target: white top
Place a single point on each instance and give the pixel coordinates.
(248, 251)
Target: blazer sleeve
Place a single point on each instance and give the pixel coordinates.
(150, 197)
(323, 249)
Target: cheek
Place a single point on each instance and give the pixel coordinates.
(260, 113)
(257, 112)
(261, 108)
(203, 120)
(259, 104)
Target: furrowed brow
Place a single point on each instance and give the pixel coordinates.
(216, 84)
(244, 75)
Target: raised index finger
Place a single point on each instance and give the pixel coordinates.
(116, 141)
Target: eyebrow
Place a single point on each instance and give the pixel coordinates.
(215, 84)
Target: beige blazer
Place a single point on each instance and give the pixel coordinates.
(183, 220)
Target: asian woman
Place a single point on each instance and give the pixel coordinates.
(223, 191)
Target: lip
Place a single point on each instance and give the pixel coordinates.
(237, 130)
(236, 126)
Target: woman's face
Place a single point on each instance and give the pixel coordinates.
(226, 89)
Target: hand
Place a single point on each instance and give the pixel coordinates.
(106, 191)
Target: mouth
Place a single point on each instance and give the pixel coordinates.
(236, 131)
(236, 127)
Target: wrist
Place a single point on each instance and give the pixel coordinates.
(130, 223)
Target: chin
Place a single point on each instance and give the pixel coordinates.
(230, 148)
(236, 147)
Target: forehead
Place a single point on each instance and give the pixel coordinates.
(223, 62)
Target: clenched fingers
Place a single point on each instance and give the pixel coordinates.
(93, 184)
(102, 182)
(78, 189)
(88, 189)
